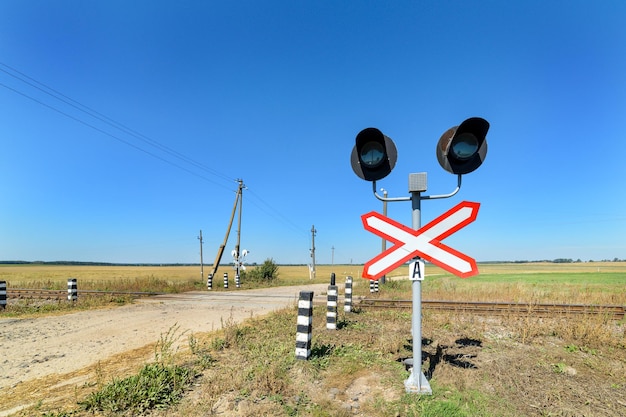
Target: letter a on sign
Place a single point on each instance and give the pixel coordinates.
(417, 270)
(424, 242)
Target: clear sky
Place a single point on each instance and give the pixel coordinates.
(124, 125)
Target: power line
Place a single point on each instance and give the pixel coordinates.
(26, 79)
(110, 135)
(107, 120)
(275, 213)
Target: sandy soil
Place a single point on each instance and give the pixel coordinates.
(35, 348)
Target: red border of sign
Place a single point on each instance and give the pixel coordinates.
(436, 241)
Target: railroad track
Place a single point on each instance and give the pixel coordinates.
(490, 308)
(23, 293)
(500, 308)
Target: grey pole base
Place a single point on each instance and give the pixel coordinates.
(414, 385)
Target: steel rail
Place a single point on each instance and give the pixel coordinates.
(44, 294)
(501, 308)
(617, 312)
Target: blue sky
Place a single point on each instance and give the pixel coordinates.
(192, 95)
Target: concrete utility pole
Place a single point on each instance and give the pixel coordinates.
(332, 259)
(313, 232)
(201, 263)
(237, 254)
(237, 246)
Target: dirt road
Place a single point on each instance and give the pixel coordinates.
(35, 348)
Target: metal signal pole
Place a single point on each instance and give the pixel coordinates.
(383, 279)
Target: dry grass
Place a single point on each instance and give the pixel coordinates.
(502, 366)
(96, 277)
(137, 277)
(478, 367)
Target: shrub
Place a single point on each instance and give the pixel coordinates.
(266, 272)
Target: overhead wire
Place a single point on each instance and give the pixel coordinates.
(103, 118)
(26, 79)
(110, 134)
(271, 211)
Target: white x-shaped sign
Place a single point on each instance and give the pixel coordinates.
(424, 242)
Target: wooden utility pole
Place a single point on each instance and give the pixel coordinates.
(220, 251)
(201, 262)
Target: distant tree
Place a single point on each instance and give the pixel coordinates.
(562, 261)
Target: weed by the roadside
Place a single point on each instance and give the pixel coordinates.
(201, 352)
(157, 385)
(166, 348)
(232, 333)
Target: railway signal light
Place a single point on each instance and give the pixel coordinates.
(374, 155)
(462, 149)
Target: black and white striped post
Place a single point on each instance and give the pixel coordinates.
(347, 303)
(3, 294)
(72, 289)
(237, 281)
(305, 325)
(226, 280)
(373, 285)
(209, 282)
(331, 304)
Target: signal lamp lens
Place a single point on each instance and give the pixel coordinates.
(464, 146)
(372, 154)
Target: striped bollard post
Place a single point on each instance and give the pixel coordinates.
(72, 289)
(376, 286)
(237, 281)
(331, 305)
(305, 325)
(225, 280)
(371, 286)
(331, 309)
(3, 294)
(347, 305)
(209, 282)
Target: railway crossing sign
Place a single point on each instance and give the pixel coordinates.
(424, 243)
